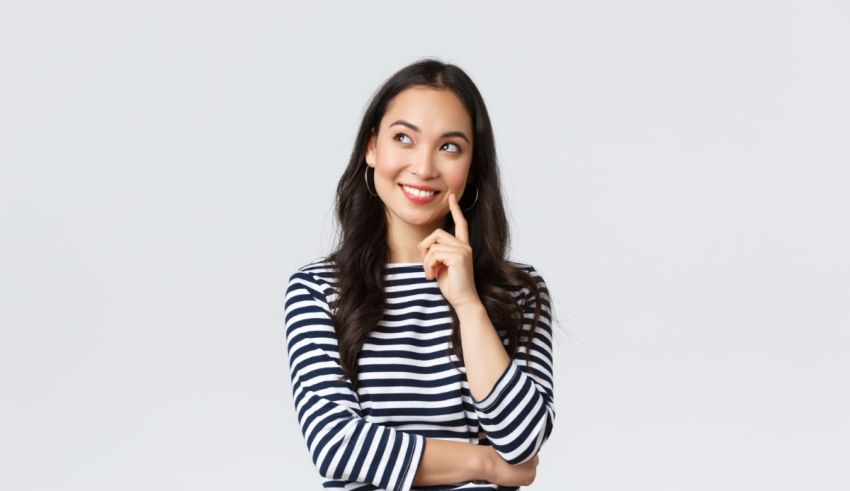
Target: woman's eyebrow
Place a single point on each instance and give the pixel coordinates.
(416, 129)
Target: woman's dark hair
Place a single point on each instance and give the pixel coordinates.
(362, 252)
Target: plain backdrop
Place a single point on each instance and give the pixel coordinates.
(679, 173)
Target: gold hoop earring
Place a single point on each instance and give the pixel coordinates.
(366, 175)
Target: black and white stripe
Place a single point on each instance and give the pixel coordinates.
(374, 438)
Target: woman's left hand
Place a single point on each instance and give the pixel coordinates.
(449, 258)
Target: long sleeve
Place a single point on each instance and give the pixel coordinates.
(519, 413)
(342, 445)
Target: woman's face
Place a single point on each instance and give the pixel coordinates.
(424, 141)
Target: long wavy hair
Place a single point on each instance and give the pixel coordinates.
(362, 252)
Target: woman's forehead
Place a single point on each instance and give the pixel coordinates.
(428, 109)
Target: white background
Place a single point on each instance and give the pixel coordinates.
(679, 172)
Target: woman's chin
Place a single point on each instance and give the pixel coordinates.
(418, 219)
(419, 222)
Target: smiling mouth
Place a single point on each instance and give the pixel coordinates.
(418, 195)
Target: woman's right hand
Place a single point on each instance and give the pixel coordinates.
(504, 474)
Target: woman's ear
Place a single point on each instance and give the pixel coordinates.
(370, 149)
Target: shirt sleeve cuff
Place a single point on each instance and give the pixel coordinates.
(500, 388)
(414, 461)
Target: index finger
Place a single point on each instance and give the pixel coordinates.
(461, 228)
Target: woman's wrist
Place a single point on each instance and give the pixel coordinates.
(482, 463)
(471, 310)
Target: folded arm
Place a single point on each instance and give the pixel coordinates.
(518, 413)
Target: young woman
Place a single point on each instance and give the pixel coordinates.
(418, 354)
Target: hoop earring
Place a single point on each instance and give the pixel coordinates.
(475, 200)
(366, 175)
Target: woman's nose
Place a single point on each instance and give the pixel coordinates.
(423, 164)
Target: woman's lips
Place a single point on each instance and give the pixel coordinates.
(418, 199)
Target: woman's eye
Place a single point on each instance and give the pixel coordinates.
(395, 137)
(454, 145)
(399, 137)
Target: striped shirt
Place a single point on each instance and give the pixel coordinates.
(374, 438)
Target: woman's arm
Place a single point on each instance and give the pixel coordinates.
(450, 462)
(514, 400)
(514, 403)
(342, 444)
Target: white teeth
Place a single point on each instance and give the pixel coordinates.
(418, 192)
